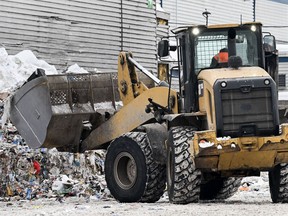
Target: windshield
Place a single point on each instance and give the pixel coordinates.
(209, 43)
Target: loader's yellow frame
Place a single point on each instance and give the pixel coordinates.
(134, 95)
(242, 153)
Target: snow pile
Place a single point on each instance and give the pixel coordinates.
(76, 69)
(15, 69)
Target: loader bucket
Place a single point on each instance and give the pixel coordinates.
(51, 111)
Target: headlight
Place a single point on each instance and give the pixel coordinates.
(223, 84)
(195, 31)
(253, 28)
(267, 82)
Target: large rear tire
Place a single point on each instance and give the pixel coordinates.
(278, 182)
(219, 188)
(130, 171)
(183, 179)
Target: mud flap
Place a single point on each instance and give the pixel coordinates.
(157, 135)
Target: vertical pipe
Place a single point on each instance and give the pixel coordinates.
(121, 31)
(254, 10)
(231, 42)
(176, 13)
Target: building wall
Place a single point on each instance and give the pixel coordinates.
(283, 67)
(274, 16)
(283, 73)
(139, 32)
(222, 11)
(89, 33)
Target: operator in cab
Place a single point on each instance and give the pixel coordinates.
(220, 59)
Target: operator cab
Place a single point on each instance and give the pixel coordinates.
(197, 47)
(201, 43)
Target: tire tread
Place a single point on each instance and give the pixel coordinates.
(156, 173)
(187, 179)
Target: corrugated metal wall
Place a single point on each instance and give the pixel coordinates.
(89, 33)
(274, 13)
(162, 23)
(283, 65)
(222, 11)
(283, 69)
(139, 32)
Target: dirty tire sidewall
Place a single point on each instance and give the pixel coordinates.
(127, 145)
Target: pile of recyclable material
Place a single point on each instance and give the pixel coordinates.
(46, 173)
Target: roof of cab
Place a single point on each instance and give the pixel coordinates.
(218, 26)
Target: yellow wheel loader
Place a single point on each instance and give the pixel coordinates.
(220, 125)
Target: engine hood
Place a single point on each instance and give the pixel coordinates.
(211, 75)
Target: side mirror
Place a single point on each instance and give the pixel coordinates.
(163, 48)
(269, 43)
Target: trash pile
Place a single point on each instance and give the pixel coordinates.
(46, 173)
(30, 174)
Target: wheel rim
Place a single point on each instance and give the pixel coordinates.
(125, 170)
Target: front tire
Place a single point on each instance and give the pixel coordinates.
(183, 179)
(131, 173)
(278, 183)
